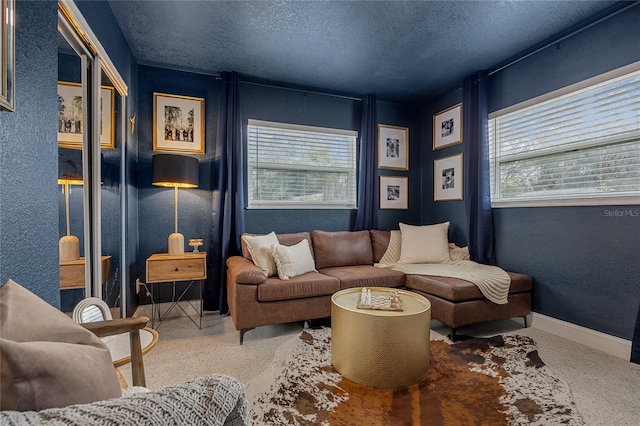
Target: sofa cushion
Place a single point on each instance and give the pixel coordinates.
(456, 290)
(284, 239)
(293, 260)
(306, 285)
(379, 243)
(259, 247)
(342, 248)
(425, 244)
(291, 239)
(48, 360)
(365, 276)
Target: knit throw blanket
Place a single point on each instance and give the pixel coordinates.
(492, 281)
(208, 401)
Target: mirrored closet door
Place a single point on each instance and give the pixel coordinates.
(91, 140)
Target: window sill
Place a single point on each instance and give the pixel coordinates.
(567, 201)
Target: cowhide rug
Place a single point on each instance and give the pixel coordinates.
(494, 381)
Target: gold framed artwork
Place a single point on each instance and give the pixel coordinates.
(447, 178)
(7, 55)
(447, 127)
(178, 123)
(70, 125)
(393, 147)
(394, 192)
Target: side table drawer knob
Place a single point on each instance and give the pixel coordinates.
(176, 269)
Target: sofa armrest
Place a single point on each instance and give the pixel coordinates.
(243, 271)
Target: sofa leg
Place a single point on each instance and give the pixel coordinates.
(244, 330)
(453, 334)
(527, 320)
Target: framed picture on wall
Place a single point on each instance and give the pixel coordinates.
(394, 192)
(7, 54)
(178, 123)
(393, 147)
(70, 126)
(447, 127)
(447, 178)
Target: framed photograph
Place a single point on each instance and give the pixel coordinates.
(7, 54)
(447, 127)
(447, 178)
(178, 123)
(393, 147)
(70, 116)
(394, 192)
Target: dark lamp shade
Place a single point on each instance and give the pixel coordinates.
(69, 167)
(175, 170)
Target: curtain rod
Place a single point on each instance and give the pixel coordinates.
(571, 34)
(273, 86)
(293, 89)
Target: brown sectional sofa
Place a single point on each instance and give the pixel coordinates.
(345, 260)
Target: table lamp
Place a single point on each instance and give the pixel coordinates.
(69, 173)
(176, 171)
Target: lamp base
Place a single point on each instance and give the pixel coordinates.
(176, 244)
(69, 247)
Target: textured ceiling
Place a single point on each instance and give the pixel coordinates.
(403, 51)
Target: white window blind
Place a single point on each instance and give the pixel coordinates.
(292, 166)
(574, 148)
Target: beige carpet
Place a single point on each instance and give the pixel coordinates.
(604, 388)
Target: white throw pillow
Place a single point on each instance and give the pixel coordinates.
(293, 260)
(260, 248)
(425, 244)
(392, 255)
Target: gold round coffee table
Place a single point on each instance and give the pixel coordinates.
(379, 348)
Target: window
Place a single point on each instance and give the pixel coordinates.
(293, 166)
(576, 146)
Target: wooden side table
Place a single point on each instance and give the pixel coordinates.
(72, 272)
(191, 267)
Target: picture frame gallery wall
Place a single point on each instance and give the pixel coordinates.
(178, 123)
(447, 127)
(448, 179)
(393, 147)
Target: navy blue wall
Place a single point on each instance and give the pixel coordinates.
(405, 116)
(155, 204)
(295, 107)
(261, 103)
(584, 260)
(440, 211)
(29, 157)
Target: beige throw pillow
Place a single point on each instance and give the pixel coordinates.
(293, 260)
(392, 255)
(47, 360)
(458, 253)
(425, 244)
(260, 248)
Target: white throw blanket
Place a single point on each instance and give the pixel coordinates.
(492, 281)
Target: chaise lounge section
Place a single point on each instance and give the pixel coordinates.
(345, 260)
(458, 303)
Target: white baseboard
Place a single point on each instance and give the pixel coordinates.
(611, 345)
